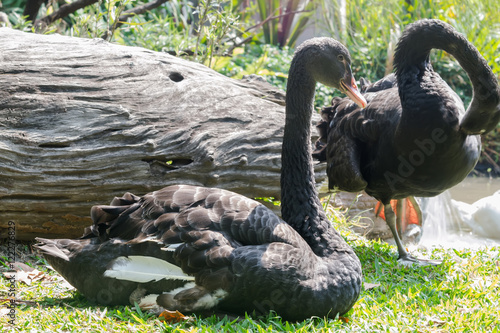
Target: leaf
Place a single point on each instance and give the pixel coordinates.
(468, 310)
(135, 23)
(219, 62)
(437, 322)
(4, 311)
(139, 320)
(26, 277)
(173, 316)
(369, 286)
(238, 50)
(344, 319)
(19, 266)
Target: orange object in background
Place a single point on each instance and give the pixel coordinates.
(409, 213)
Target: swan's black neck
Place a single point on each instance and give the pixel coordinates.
(412, 54)
(300, 205)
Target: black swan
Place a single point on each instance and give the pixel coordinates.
(414, 138)
(192, 248)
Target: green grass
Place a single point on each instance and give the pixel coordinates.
(461, 295)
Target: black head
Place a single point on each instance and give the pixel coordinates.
(329, 62)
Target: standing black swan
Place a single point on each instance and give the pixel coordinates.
(414, 138)
(201, 248)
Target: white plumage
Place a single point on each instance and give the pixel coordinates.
(145, 269)
(483, 216)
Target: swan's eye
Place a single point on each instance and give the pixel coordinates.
(340, 57)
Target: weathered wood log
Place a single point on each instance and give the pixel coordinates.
(82, 121)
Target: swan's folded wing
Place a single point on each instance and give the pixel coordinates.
(347, 132)
(343, 164)
(384, 83)
(199, 226)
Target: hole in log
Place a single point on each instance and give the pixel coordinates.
(180, 162)
(161, 165)
(176, 77)
(54, 145)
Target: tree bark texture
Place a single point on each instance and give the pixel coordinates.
(82, 121)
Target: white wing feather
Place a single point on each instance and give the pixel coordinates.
(145, 269)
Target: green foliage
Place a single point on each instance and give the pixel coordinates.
(165, 29)
(95, 20)
(201, 31)
(272, 63)
(265, 60)
(14, 10)
(277, 19)
(114, 9)
(216, 21)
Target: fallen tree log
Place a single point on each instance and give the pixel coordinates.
(82, 121)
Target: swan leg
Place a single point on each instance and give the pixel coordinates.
(404, 257)
(400, 213)
(390, 218)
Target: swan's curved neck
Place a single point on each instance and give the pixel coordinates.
(413, 51)
(300, 205)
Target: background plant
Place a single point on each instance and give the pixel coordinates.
(284, 20)
(217, 22)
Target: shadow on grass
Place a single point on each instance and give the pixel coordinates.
(123, 312)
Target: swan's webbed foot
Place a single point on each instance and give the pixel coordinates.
(404, 257)
(409, 260)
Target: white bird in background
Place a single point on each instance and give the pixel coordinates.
(483, 216)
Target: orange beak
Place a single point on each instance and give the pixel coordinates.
(351, 90)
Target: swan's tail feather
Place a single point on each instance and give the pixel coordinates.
(51, 248)
(107, 218)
